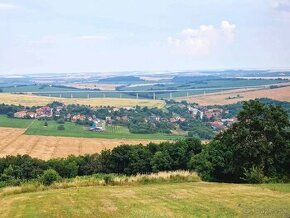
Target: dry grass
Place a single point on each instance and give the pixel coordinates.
(189, 199)
(31, 100)
(13, 142)
(281, 94)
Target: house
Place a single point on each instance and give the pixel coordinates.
(31, 115)
(45, 111)
(217, 125)
(97, 126)
(109, 120)
(125, 118)
(77, 117)
(154, 119)
(215, 113)
(20, 114)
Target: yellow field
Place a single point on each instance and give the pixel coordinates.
(281, 94)
(13, 142)
(32, 100)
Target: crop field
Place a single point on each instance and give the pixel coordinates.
(195, 199)
(280, 94)
(14, 141)
(212, 84)
(33, 100)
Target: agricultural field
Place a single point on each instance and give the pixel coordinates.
(189, 199)
(33, 100)
(36, 127)
(14, 141)
(214, 85)
(230, 97)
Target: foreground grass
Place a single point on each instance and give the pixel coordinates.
(33, 100)
(188, 199)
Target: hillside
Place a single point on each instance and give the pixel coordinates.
(197, 199)
(121, 79)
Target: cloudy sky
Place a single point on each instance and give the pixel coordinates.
(109, 35)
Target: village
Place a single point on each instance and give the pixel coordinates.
(98, 117)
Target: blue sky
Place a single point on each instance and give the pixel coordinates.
(166, 35)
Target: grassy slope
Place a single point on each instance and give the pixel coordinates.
(32, 100)
(36, 127)
(155, 200)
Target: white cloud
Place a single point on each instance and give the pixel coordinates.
(229, 30)
(93, 38)
(203, 40)
(7, 7)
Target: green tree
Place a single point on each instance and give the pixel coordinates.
(49, 176)
(161, 161)
(258, 144)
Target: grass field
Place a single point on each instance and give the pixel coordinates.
(195, 199)
(14, 123)
(74, 130)
(13, 141)
(36, 127)
(280, 94)
(32, 100)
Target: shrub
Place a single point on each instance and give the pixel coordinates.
(61, 127)
(254, 175)
(49, 176)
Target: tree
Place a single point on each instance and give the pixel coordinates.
(49, 176)
(161, 161)
(258, 144)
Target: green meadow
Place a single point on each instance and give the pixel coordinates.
(188, 199)
(36, 127)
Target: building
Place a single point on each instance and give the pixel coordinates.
(45, 111)
(20, 114)
(31, 115)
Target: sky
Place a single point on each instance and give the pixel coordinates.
(64, 36)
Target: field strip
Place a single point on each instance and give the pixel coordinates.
(13, 142)
(11, 138)
(34, 100)
(280, 94)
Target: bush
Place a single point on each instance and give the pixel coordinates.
(60, 121)
(49, 176)
(61, 127)
(255, 175)
(45, 123)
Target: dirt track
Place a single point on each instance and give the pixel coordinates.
(13, 142)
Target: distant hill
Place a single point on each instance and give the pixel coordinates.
(121, 79)
(187, 79)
